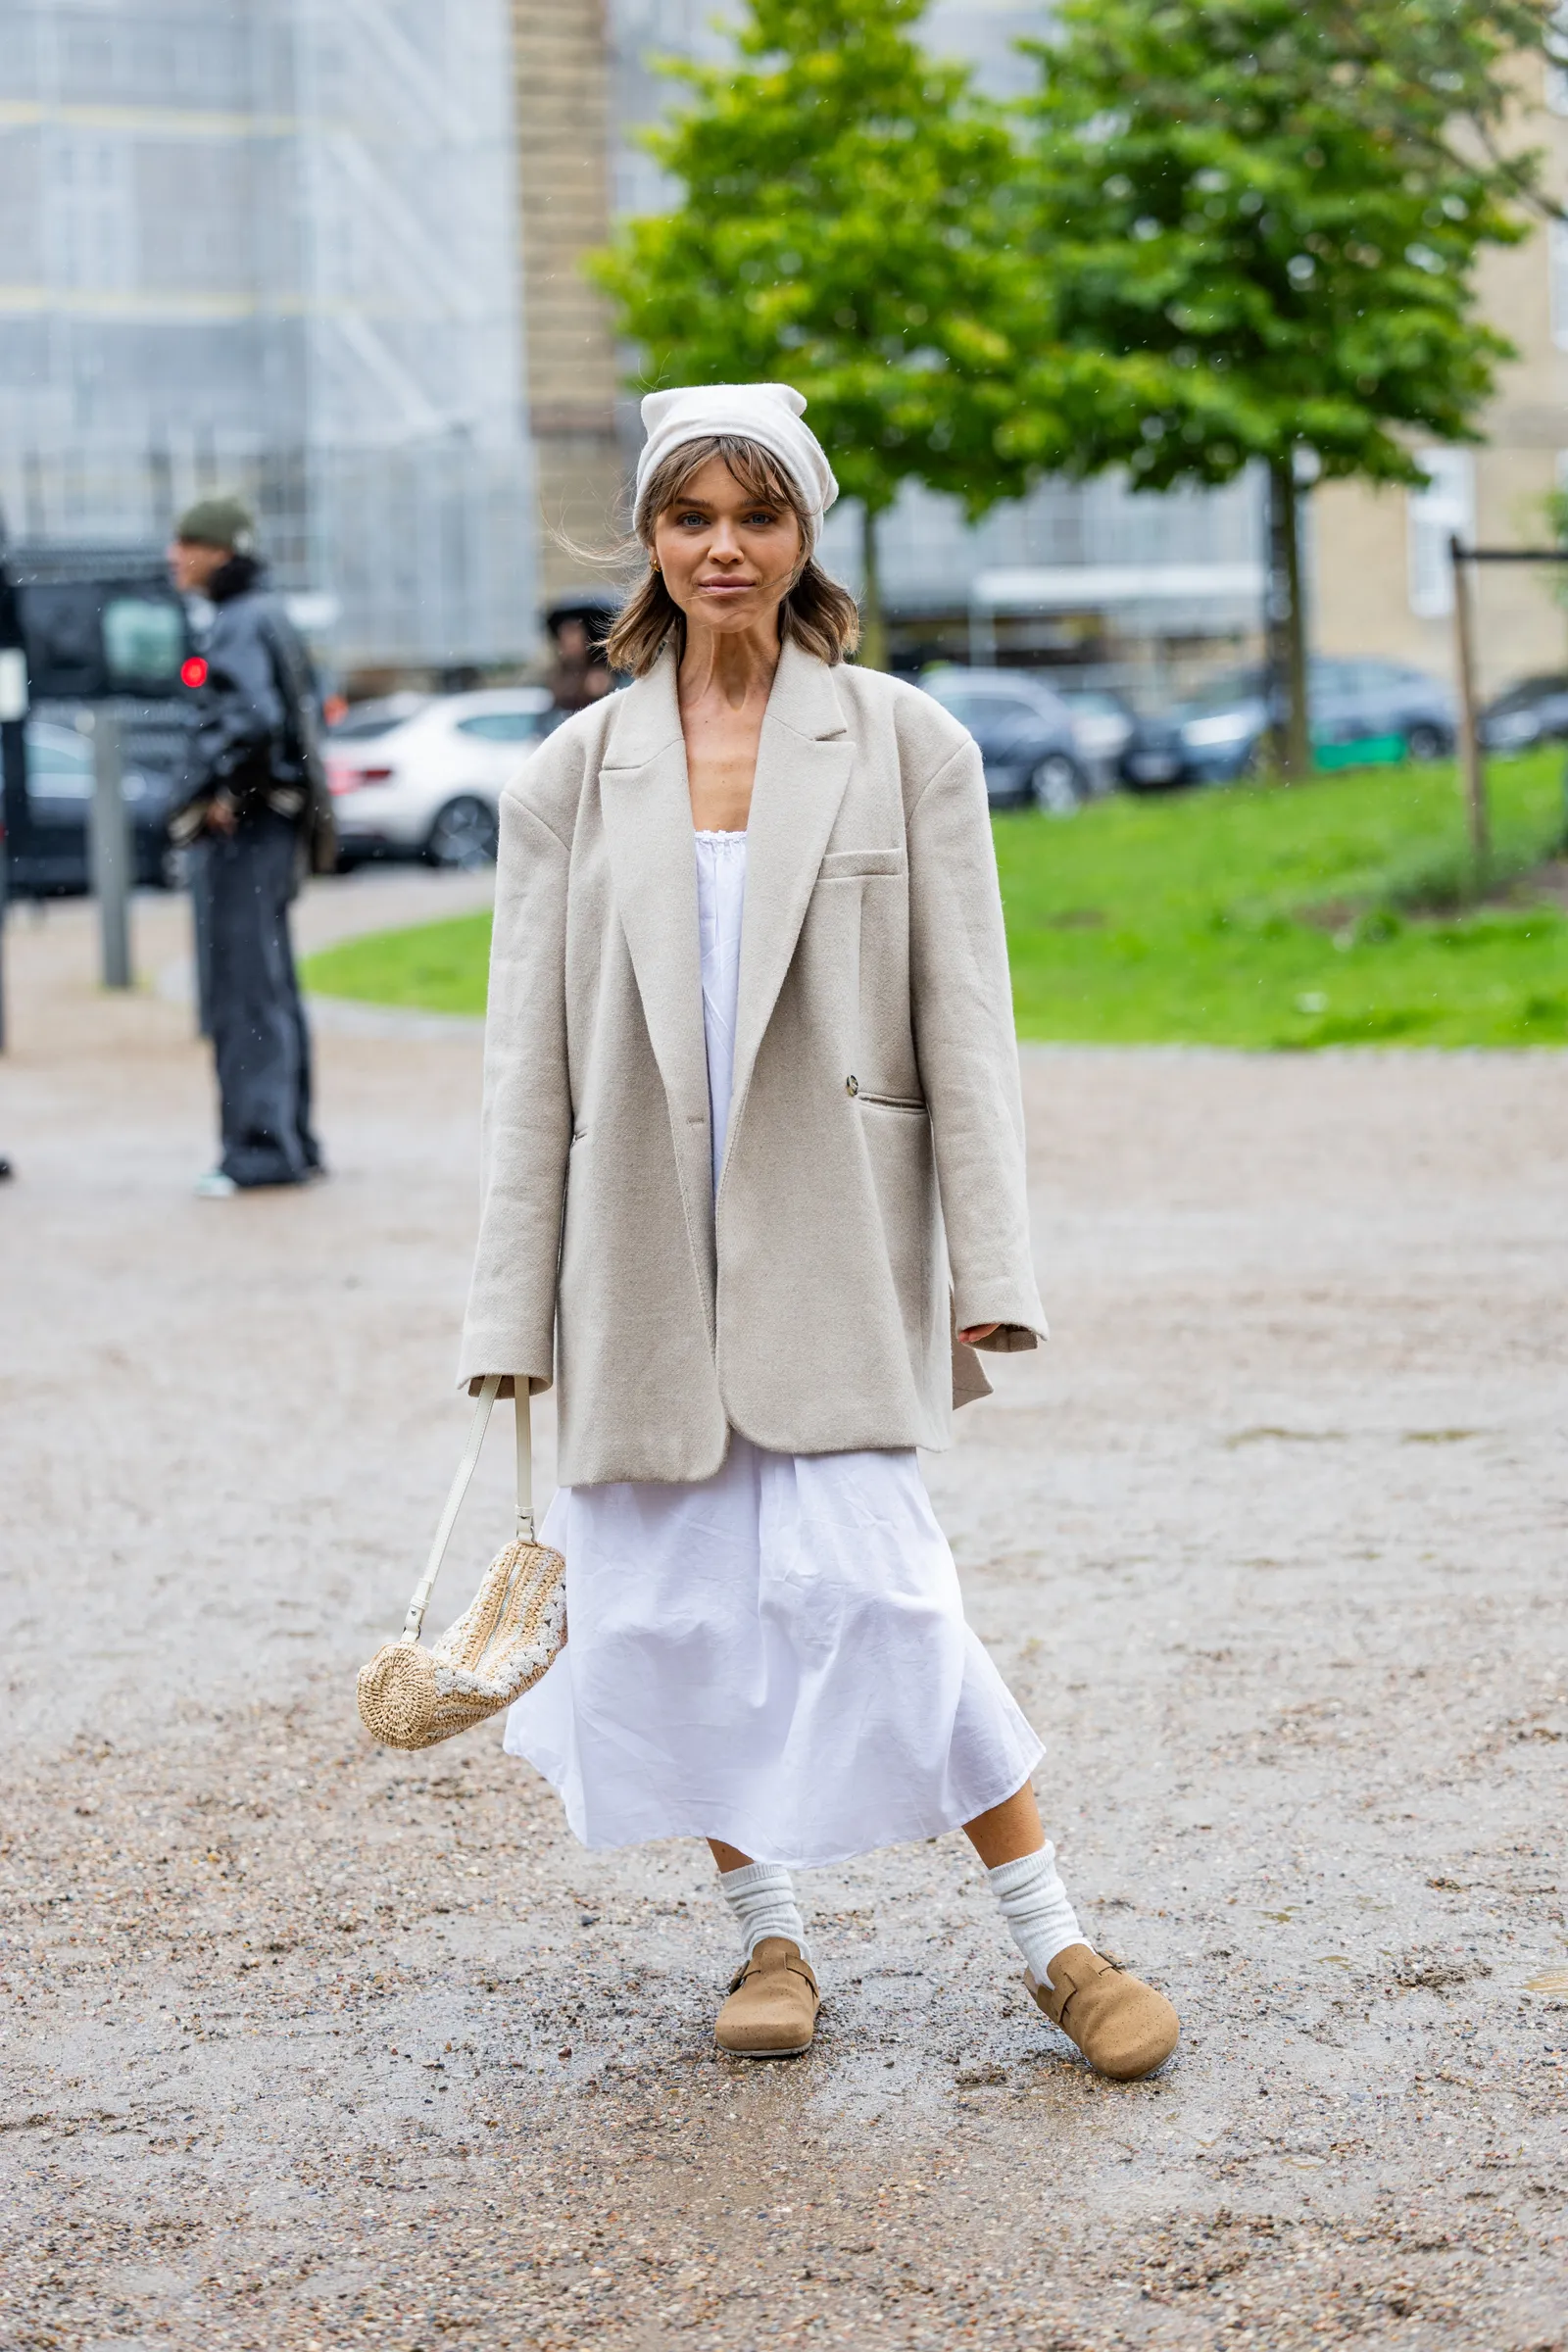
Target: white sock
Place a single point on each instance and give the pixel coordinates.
(1034, 1903)
(761, 1902)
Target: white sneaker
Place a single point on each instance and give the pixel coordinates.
(215, 1186)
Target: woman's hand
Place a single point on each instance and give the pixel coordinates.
(978, 1331)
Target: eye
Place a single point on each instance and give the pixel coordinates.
(691, 516)
(761, 518)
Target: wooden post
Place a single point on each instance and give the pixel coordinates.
(873, 625)
(1470, 755)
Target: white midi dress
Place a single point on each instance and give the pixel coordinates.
(776, 1657)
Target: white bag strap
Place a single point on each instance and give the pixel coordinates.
(413, 1623)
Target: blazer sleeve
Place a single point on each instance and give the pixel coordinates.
(968, 1055)
(526, 1131)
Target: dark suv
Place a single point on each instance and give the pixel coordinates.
(1361, 713)
(1028, 742)
(98, 626)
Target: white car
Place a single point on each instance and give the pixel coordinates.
(418, 775)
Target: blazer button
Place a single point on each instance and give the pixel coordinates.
(852, 1086)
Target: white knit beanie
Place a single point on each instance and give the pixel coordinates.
(769, 415)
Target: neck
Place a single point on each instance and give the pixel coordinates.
(232, 578)
(733, 666)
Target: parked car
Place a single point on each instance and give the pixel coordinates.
(421, 775)
(1532, 711)
(1102, 722)
(1026, 735)
(1361, 712)
(56, 858)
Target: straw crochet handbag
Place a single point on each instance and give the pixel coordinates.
(510, 1631)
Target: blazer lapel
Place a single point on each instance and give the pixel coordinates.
(648, 832)
(802, 766)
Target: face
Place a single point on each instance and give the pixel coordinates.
(192, 564)
(729, 557)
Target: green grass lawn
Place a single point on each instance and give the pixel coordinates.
(1328, 915)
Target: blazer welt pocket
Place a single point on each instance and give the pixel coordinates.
(839, 865)
(863, 1093)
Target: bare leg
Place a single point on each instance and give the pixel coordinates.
(730, 1857)
(1004, 1833)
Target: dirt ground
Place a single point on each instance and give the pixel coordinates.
(1270, 1542)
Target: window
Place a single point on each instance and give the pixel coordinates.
(367, 720)
(1444, 510)
(58, 765)
(502, 726)
(1007, 713)
(144, 638)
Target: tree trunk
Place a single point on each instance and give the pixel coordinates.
(1288, 672)
(873, 628)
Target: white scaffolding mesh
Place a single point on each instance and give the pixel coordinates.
(272, 246)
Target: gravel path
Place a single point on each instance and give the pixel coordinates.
(309, 2047)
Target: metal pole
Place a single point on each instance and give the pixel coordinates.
(1470, 760)
(111, 849)
(14, 813)
(5, 893)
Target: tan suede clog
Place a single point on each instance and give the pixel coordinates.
(772, 2006)
(1123, 2027)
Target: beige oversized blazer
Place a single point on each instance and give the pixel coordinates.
(875, 1156)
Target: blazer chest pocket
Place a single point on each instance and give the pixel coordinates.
(850, 865)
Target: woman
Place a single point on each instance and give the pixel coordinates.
(754, 1193)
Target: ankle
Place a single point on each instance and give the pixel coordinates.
(761, 1899)
(1034, 1903)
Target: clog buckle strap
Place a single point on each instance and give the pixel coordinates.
(751, 1968)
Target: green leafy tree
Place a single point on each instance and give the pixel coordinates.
(843, 225)
(1256, 224)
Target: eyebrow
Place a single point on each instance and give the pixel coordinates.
(761, 499)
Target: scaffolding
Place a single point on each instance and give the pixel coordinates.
(271, 247)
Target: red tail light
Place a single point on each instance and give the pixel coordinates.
(343, 776)
(193, 672)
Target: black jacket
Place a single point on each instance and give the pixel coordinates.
(256, 735)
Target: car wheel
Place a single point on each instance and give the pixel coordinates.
(1059, 785)
(463, 835)
(1426, 743)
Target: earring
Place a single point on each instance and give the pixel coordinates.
(653, 562)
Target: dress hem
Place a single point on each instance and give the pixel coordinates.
(758, 1849)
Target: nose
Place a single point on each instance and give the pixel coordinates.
(724, 547)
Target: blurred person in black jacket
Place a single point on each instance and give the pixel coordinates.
(253, 809)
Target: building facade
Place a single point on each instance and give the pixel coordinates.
(328, 252)
(270, 246)
(563, 110)
(1382, 582)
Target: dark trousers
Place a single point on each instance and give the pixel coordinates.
(243, 883)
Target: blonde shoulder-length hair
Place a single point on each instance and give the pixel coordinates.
(816, 613)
